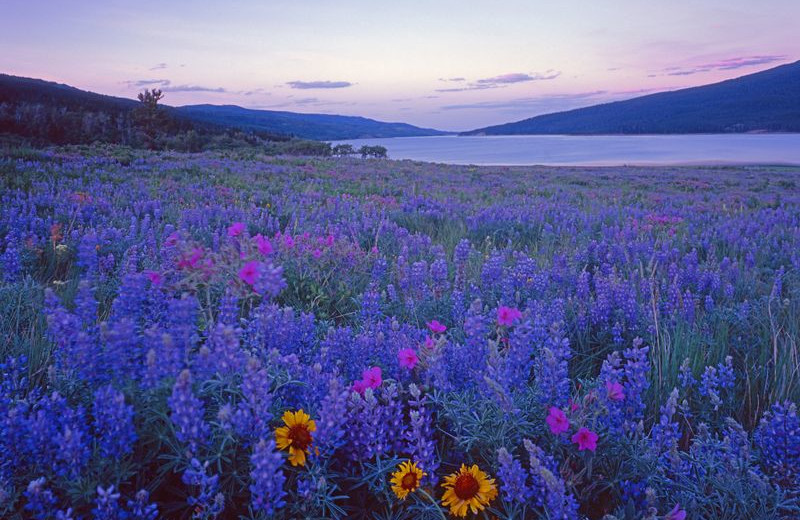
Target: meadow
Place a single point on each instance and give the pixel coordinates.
(229, 336)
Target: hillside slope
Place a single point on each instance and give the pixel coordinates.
(767, 101)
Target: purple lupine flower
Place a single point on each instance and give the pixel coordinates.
(187, 412)
(420, 443)
(113, 423)
(270, 281)
(665, 434)
(228, 308)
(636, 369)
(777, 439)
(40, 501)
(107, 505)
(252, 416)
(10, 264)
(548, 489)
(366, 432)
(140, 508)
(206, 500)
(393, 417)
(225, 356)
(332, 418)
(551, 369)
(370, 306)
(513, 478)
(71, 442)
(267, 478)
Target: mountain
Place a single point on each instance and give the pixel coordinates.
(49, 112)
(767, 101)
(309, 126)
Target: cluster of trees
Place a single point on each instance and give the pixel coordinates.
(44, 113)
(40, 113)
(346, 150)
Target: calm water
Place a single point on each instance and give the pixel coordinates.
(596, 150)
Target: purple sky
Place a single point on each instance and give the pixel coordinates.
(453, 65)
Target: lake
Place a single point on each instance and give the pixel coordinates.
(602, 150)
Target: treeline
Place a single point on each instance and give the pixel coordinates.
(39, 113)
(42, 123)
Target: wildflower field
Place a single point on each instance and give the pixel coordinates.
(202, 336)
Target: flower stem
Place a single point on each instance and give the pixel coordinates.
(434, 502)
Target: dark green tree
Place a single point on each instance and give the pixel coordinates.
(343, 150)
(378, 152)
(149, 117)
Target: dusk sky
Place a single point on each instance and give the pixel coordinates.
(452, 65)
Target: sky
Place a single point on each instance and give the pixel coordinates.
(450, 65)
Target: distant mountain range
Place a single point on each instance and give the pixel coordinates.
(47, 112)
(321, 127)
(767, 101)
(63, 114)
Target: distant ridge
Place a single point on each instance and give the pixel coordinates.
(60, 107)
(767, 101)
(308, 126)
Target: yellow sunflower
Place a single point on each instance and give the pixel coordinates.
(295, 436)
(468, 488)
(406, 479)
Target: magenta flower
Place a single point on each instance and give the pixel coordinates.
(236, 229)
(263, 244)
(615, 391)
(372, 377)
(249, 272)
(586, 439)
(436, 327)
(288, 241)
(557, 421)
(407, 358)
(316, 253)
(429, 343)
(676, 514)
(155, 278)
(359, 386)
(506, 316)
(196, 255)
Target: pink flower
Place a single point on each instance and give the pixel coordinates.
(316, 253)
(155, 278)
(263, 244)
(615, 391)
(408, 358)
(506, 316)
(586, 439)
(372, 377)
(192, 260)
(329, 241)
(359, 386)
(236, 229)
(557, 421)
(249, 272)
(288, 241)
(429, 343)
(676, 514)
(436, 327)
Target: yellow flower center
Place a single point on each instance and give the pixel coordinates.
(466, 487)
(409, 481)
(300, 436)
